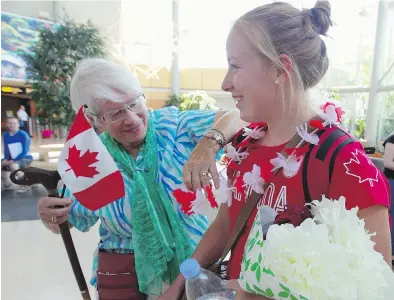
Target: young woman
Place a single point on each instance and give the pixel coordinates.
(275, 55)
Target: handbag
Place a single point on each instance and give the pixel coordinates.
(220, 267)
(117, 278)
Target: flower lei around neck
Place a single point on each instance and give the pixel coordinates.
(196, 202)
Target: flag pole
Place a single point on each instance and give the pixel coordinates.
(73, 256)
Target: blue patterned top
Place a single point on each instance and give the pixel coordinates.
(177, 134)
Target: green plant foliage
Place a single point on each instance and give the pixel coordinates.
(52, 63)
(198, 100)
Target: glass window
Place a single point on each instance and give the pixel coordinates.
(355, 107)
(146, 32)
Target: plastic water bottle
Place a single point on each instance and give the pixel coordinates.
(203, 284)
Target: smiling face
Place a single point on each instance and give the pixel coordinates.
(131, 128)
(13, 125)
(251, 80)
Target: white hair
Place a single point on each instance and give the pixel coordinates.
(97, 80)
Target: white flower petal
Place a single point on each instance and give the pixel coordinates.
(328, 257)
(224, 193)
(278, 162)
(311, 138)
(253, 180)
(255, 133)
(234, 155)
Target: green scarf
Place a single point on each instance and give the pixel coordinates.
(160, 241)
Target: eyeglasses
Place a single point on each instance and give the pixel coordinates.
(116, 115)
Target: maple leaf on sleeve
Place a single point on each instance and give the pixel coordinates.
(362, 168)
(81, 165)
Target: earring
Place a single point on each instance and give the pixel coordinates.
(277, 81)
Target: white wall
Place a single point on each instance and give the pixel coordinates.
(27, 8)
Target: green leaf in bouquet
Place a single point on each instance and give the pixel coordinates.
(254, 266)
(269, 292)
(260, 258)
(258, 290)
(260, 243)
(285, 288)
(251, 245)
(292, 297)
(284, 294)
(247, 264)
(303, 298)
(257, 234)
(258, 274)
(268, 271)
(248, 287)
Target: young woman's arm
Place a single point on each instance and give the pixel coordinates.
(376, 220)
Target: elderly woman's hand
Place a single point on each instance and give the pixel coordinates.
(201, 166)
(54, 211)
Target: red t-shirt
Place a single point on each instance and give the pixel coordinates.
(354, 177)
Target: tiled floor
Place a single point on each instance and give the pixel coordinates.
(35, 265)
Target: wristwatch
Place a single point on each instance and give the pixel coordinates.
(215, 135)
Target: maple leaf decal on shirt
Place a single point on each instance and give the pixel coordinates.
(361, 167)
(81, 165)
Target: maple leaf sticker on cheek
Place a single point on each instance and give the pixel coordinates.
(361, 167)
(81, 165)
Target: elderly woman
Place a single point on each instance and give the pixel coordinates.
(150, 148)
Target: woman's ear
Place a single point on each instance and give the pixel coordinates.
(284, 73)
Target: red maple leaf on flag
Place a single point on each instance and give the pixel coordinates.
(81, 165)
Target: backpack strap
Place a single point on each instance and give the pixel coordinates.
(321, 157)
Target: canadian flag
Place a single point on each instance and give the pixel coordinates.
(87, 168)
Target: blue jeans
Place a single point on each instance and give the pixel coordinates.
(391, 181)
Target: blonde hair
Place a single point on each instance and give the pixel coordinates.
(280, 28)
(97, 80)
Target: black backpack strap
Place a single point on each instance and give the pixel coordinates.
(305, 170)
(344, 143)
(322, 152)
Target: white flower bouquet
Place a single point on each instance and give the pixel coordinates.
(328, 256)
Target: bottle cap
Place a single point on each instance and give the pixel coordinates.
(190, 268)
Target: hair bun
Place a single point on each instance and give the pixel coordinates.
(321, 17)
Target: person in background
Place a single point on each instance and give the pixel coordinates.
(388, 160)
(16, 153)
(23, 118)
